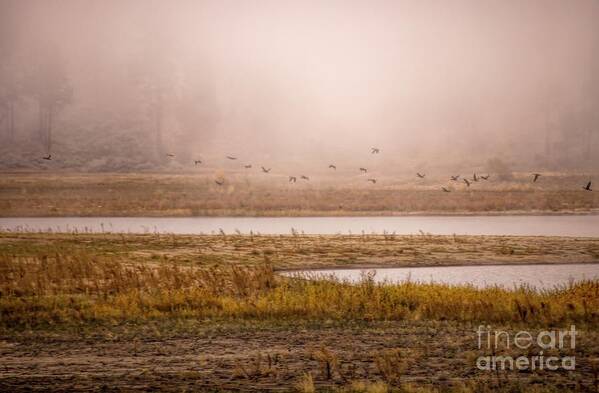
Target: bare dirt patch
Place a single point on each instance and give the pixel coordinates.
(260, 358)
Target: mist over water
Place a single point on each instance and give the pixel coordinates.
(115, 85)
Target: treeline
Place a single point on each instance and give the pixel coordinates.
(118, 85)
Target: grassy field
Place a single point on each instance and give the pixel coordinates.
(47, 194)
(287, 252)
(181, 313)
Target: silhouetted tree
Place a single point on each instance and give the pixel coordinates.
(10, 88)
(154, 74)
(47, 83)
(500, 168)
(550, 104)
(196, 109)
(593, 105)
(9, 95)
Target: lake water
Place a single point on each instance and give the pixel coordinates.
(573, 225)
(508, 276)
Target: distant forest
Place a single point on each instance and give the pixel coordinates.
(118, 85)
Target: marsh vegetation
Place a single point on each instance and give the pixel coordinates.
(173, 307)
(295, 252)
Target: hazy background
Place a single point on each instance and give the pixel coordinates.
(115, 85)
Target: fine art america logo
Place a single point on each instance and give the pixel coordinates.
(551, 341)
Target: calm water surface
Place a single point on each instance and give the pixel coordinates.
(538, 276)
(575, 225)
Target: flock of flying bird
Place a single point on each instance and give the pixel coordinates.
(373, 150)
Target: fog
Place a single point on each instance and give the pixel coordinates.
(116, 85)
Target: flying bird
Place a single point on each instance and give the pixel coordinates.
(292, 179)
(420, 175)
(363, 170)
(248, 166)
(467, 182)
(333, 167)
(305, 177)
(445, 189)
(455, 178)
(231, 158)
(373, 181)
(485, 177)
(588, 187)
(266, 170)
(474, 177)
(535, 177)
(171, 155)
(219, 182)
(196, 162)
(374, 150)
(48, 157)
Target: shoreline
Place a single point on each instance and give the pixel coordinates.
(326, 214)
(426, 265)
(181, 195)
(289, 253)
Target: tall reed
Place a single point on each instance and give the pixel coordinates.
(81, 287)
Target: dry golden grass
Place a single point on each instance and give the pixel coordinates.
(83, 288)
(34, 194)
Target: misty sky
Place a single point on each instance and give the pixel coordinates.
(301, 78)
